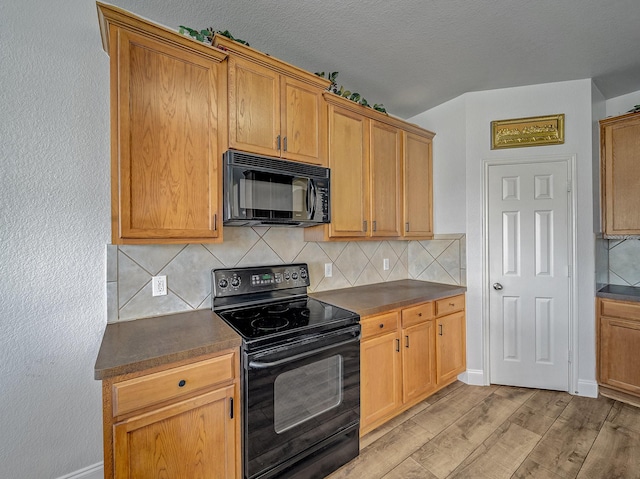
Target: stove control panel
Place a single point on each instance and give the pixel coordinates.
(236, 281)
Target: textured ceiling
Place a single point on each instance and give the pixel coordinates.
(412, 55)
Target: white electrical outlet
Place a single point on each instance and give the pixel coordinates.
(328, 270)
(159, 285)
(385, 264)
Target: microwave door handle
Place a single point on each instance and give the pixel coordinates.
(311, 190)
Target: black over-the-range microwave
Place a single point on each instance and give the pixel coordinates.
(261, 190)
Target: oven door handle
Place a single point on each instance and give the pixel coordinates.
(280, 362)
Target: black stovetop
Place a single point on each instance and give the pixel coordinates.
(275, 322)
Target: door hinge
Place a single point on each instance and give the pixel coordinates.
(571, 356)
(568, 271)
(568, 185)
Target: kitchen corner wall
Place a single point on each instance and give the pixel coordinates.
(188, 267)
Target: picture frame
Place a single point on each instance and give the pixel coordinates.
(530, 131)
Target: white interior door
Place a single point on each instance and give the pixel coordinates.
(528, 235)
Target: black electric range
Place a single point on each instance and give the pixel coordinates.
(268, 305)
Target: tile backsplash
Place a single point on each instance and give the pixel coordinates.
(624, 262)
(188, 267)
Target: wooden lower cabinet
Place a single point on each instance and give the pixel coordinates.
(418, 369)
(380, 378)
(403, 359)
(618, 349)
(174, 423)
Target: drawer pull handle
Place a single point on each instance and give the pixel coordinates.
(381, 325)
(407, 343)
(452, 304)
(440, 325)
(182, 383)
(397, 345)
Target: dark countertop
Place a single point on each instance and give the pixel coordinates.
(132, 346)
(380, 297)
(620, 293)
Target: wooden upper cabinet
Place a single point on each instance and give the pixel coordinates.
(254, 107)
(385, 179)
(167, 112)
(348, 161)
(275, 109)
(303, 122)
(620, 175)
(417, 219)
(380, 176)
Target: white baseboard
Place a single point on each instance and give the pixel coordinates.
(587, 388)
(91, 472)
(473, 377)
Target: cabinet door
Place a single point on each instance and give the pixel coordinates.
(165, 112)
(254, 107)
(450, 347)
(303, 124)
(192, 438)
(385, 180)
(621, 150)
(418, 360)
(417, 181)
(620, 354)
(380, 378)
(348, 156)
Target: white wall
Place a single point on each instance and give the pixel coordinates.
(54, 210)
(447, 121)
(622, 104)
(470, 117)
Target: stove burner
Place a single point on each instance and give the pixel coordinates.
(302, 312)
(245, 314)
(277, 309)
(270, 324)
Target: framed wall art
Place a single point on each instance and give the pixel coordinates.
(531, 131)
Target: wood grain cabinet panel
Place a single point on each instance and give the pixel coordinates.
(349, 164)
(275, 109)
(384, 161)
(183, 421)
(191, 438)
(618, 348)
(450, 347)
(380, 176)
(404, 359)
(168, 105)
(417, 219)
(380, 378)
(620, 165)
(418, 360)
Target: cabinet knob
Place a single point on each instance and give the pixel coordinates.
(381, 325)
(182, 383)
(420, 314)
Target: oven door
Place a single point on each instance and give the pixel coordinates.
(299, 399)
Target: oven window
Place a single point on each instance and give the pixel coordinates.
(305, 392)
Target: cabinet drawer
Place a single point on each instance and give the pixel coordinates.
(449, 305)
(417, 314)
(616, 309)
(375, 325)
(170, 384)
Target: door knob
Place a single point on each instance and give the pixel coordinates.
(497, 286)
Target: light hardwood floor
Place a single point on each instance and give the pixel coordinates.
(503, 432)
